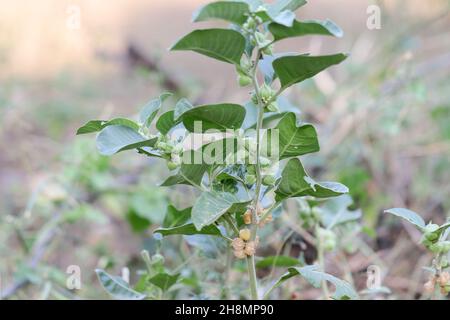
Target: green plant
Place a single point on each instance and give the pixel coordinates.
(236, 166)
(435, 239)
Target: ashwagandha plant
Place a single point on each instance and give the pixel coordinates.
(435, 239)
(243, 167)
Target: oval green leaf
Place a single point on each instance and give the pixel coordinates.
(219, 117)
(221, 44)
(295, 69)
(116, 138)
(232, 11)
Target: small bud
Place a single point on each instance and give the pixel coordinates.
(245, 234)
(238, 244)
(157, 259)
(247, 217)
(240, 254)
(264, 162)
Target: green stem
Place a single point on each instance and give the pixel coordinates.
(252, 276)
(321, 258)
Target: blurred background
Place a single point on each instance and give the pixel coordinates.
(383, 119)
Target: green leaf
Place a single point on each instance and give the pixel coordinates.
(221, 44)
(233, 11)
(293, 140)
(277, 261)
(166, 122)
(116, 138)
(234, 172)
(408, 215)
(118, 288)
(298, 29)
(189, 173)
(295, 69)
(138, 223)
(219, 117)
(282, 5)
(175, 217)
(344, 290)
(281, 11)
(266, 67)
(150, 110)
(181, 107)
(97, 125)
(295, 182)
(189, 229)
(164, 280)
(210, 206)
(336, 212)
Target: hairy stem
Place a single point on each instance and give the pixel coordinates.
(254, 228)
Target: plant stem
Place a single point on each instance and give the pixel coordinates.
(320, 256)
(254, 229)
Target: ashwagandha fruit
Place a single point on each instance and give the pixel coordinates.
(247, 217)
(238, 244)
(244, 80)
(269, 180)
(172, 165)
(250, 248)
(245, 234)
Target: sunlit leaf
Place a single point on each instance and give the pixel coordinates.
(219, 117)
(315, 277)
(210, 206)
(293, 140)
(221, 44)
(294, 69)
(116, 138)
(295, 182)
(97, 125)
(313, 27)
(232, 11)
(408, 215)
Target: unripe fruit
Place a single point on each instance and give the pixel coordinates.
(431, 236)
(245, 234)
(247, 217)
(172, 165)
(269, 180)
(244, 80)
(238, 244)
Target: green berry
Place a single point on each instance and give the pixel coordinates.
(172, 165)
(269, 180)
(244, 80)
